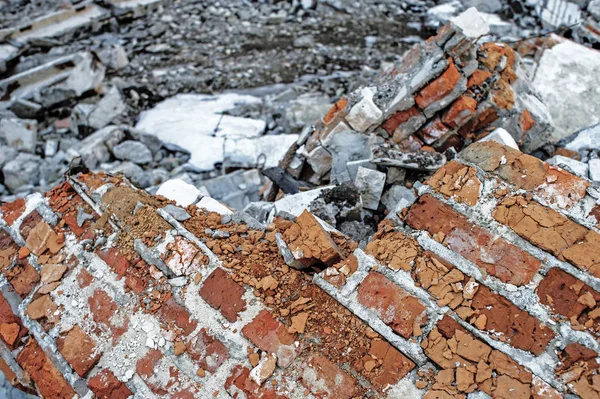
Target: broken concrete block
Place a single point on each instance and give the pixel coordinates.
(588, 137)
(563, 77)
(501, 136)
(471, 23)
(352, 167)
(20, 134)
(25, 109)
(182, 193)
(398, 198)
(364, 113)
(594, 169)
(250, 152)
(6, 154)
(212, 205)
(94, 117)
(306, 109)
(297, 203)
(113, 56)
(21, 171)
(573, 165)
(345, 147)
(556, 13)
(96, 148)
(370, 184)
(133, 151)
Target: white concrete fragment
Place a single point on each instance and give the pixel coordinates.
(370, 185)
(501, 136)
(471, 23)
(566, 79)
(177, 190)
(365, 113)
(584, 139)
(212, 205)
(20, 134)
(296, 204)
(197, 123)
(250, 152)
(594, 169)
(555, 13)
(579, 168)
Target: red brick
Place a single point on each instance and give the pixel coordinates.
(103, 308)
(28, 223)
(399, 118)
(433, 130)
(527, 172)
(478, 77)
(440, 87)
(391, 365)
(272, 336)
(239, 380)
(48, 380)
(117, 262)
(145, 369)
(325, 379)
(84, 278)
(174, 314)
(335, 110)
(25, 277)
(491, 254)
(11, 328)
(11, 211)
(460, 111)
(106, 386)
(79, 350)
(560, 291)
(398, 309)
(224, 294)
(207, 352)
(310, 243)
(8, 251)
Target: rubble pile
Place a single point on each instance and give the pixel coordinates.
(434, 234)
(486, 284)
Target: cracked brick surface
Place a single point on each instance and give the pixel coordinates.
(480, 285)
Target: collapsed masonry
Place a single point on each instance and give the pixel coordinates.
(489, 282)
(443, 94)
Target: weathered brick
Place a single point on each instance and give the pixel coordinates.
(551, 231)
(494, 255)
(460, 111)
(404, 313)
(106, 386)
(481, 307)
(207, 351)
(572, 299)
(105, 313)
(11, 328)
(23, 277)
(527, 172)
(400, 117)
(270, 335)
(457, 181)
(310, 243)
(79, 349)
(8, 251)
(11, 211)
(240, 380)
(117, 262)
(387, 365)
(49, 381)
(325, 379)
(433, 130)
(440, 87)
(337, 108)
(224, 294)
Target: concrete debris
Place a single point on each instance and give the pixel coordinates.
(564, 78)
(572, 165)
(370, 184)
(92, 117)
(20, 134)
(501, 136)
(133, 151)
(184, 194)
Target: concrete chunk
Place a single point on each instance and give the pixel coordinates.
(501, 136)
(471, 23)
(578, 168)
(370, 185)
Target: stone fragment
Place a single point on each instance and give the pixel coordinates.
(19, 134)
(91, 117)
(594, 169)
(370, 184)
(577, 168)
(365, 113)
(471, 23)
(79, 350)
(133, 151)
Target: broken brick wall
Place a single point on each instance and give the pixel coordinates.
(488, 282)
(444, 93)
